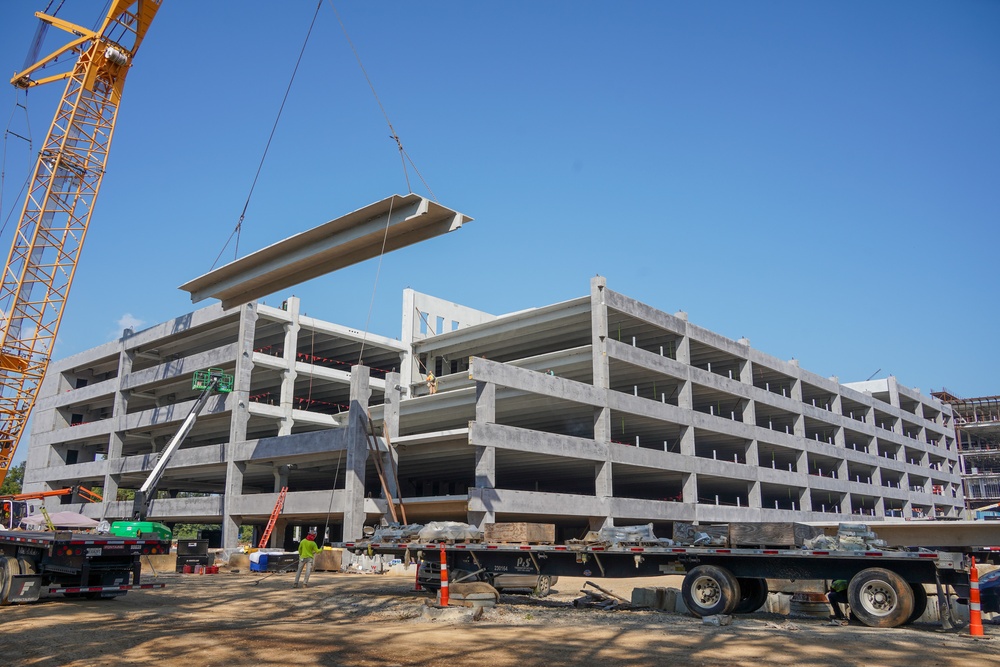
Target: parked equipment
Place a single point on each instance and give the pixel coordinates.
(208, 381)
(886, 587)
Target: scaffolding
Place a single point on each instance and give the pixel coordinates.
(977, 431)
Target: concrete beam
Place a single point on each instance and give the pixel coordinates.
(393, 223)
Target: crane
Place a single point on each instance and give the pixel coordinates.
(60, 201)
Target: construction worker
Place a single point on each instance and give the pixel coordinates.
(836, 596)
(432, 383)
(307, 550)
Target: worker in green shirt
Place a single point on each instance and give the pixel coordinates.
(307, 550)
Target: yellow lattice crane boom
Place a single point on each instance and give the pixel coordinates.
(60, 201)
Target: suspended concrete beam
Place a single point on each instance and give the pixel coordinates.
(399, 221)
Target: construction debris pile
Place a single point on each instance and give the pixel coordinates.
(849, 537)
(600, 598)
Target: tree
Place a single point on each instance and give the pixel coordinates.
(12, 483)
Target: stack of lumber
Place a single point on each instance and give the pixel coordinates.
(778, 535)
(520, 533)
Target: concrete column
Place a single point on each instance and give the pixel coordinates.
(604, 490)
(687, 440)
(486, 478)
(839, 437)
(689, 491)
(837, 405)
(749, 412)
(116, 441)
(486, 395)
(288, 375)
(846, 507)
(893, 391)
(802, 462)
(753, 496)
(805, 500)
(796, 393)
(746, 369)
(281, 477)
(239, 412)
(357, 454)
(276, 541)
(486, 457)
(390, 430)
(599, 335)
(752, 453)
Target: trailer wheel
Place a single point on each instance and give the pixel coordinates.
(880, 598)
(753, 595)
(543, 587)
(919, 603)
(710, 590)
(9, 568)
(26, 565)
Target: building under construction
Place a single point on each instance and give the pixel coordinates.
(977, 424)
(596, 410)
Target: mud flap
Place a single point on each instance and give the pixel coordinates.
(25, 588)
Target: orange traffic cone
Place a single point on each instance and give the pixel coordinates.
(975, 613)
(444, 579)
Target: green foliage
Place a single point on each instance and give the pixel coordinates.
(189, 531)
(12, 483)
(246, 533)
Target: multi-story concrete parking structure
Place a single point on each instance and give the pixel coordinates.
(977, 424)
(592, 411)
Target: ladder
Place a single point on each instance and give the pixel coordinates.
(274, 518)
(48, 519)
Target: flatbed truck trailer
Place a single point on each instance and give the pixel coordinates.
(37, 564)
(886, 588)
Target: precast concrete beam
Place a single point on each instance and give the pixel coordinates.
(484, 370)
(395, 222)
(506, 501)
(536, 442)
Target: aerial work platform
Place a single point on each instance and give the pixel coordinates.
(398, 221)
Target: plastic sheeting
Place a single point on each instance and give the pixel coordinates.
(60, 520)
(448, 530)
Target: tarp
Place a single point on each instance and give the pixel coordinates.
(60, 520)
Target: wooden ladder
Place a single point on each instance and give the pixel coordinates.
(274, 518)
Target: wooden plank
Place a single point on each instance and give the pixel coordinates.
(686, 533)
(773, 534)
(520, 532)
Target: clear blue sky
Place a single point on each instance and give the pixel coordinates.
(820, 177)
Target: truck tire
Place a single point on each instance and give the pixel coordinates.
(9, 568)
(880, 598)
(919, 603)
(709, 590)
(27, 565)
(753, 595)
(543, 587)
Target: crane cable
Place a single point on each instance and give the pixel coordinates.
(403, 155)
(239, 225)
(3, 163)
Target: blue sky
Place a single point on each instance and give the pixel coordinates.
(822, 178)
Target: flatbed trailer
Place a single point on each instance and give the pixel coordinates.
(36, 564)
(886, 588)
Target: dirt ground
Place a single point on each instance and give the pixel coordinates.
(360, 620)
